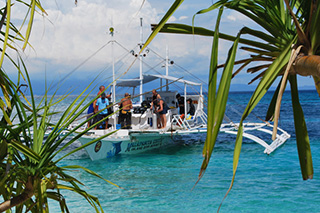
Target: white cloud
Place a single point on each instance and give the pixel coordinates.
(70, 34)
(183, 18)
(236, 16)
(231, 17)
(77, 33)
(172, 19)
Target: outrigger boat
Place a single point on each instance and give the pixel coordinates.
(144, 134)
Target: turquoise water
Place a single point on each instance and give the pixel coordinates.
(163, 180)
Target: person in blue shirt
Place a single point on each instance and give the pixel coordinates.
(90, 114)
(102, 104)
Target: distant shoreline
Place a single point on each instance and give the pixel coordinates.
(302, 89)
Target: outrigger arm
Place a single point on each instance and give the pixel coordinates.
(232, 128)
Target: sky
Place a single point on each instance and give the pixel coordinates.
(70, 46)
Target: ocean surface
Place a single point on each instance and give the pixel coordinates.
(164, 180)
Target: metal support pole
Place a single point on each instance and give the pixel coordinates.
(167, 67)
(185, 101)
(113, 83)
(141, 58)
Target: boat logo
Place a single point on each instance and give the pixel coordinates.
(98, 146)
(115, 150)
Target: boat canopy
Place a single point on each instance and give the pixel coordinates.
(148, 78)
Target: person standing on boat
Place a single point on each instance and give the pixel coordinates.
(102, 104)
(180, 100)
(162, 109)
(90, 113)
(125, 114)
(155, 96)
(101, 90)
(192, 109)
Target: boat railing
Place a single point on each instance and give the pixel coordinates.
(192, 122)
(202, 115)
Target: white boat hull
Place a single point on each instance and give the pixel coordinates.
(125, 142)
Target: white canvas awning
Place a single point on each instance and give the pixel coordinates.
(148, 78)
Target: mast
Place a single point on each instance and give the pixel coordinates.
(167, 67)
(113, 78)
(185, 101)
(141, 58)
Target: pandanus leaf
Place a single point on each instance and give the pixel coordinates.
(24, 150)
(90, 172)
(317, 84)
(217, 110)
(294, 53)
(302, 138)
(33, 8)
(265, 83)
(91, 199)
(315, 29)
(272, 105)
(192, 30)
(211, 133)
(6, 36)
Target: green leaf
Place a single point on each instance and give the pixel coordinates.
(272, 105)
(266, 81)
(220, 104)
(268, 78)
(209, 9)
(91, 199)
(236, 156)
(5, 114)
(90, 172)
(5, 42)
(302, 137)
(58, 197)
(214, 6)
(315, 30)
(33, 6)
(3, 149)
(24, 150)
(211, 134)
(317, 83)
(192, 30)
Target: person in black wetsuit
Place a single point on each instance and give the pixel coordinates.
(180, 100)
(192, 109)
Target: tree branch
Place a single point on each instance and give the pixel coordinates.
(26, 195)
